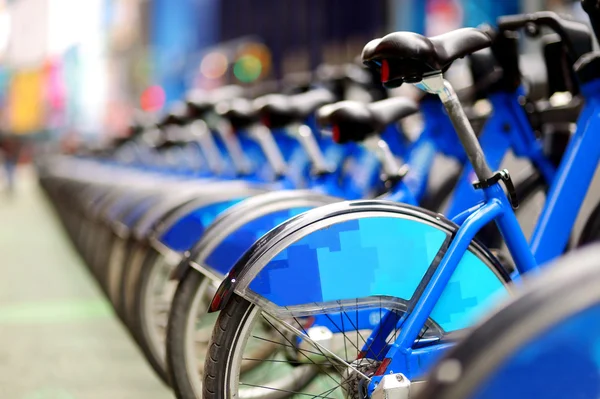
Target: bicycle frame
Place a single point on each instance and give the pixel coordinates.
(570, 186)
(426, 301)
(400, 355)
(498, 135)
(549, 240)
(507, 128)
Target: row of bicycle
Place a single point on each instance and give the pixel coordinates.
(291, 245)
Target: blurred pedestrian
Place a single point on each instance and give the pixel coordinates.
(10, 150)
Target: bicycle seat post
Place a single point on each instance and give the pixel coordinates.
(234, 148)
(389, 164)
(264, 138)
(305, 136)
(436, 84)
(407, 57)
(203, 136)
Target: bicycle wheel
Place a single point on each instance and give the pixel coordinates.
(188, 360)
(325, 341)
(151, 310)
(306, 361)
(223, 243)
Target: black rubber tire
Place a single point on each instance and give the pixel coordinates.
(130, 246)
(137, 321)
(103, 257)
(224, 336)
(129, 279)
(176, 333)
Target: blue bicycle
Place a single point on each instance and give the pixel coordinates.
(422, 277)
(234, 231)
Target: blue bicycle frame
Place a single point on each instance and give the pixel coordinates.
(550, 238)
(507, 128)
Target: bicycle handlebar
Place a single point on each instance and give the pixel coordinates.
(592, 8)
(575, 35)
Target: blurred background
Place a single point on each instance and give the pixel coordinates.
(75, 70)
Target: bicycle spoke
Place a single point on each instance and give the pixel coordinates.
(355, 326)
(282, 361)
(283, 390)
(340, 385)
(344, 333)
(320, 348)
(309, 359)
(286, 346)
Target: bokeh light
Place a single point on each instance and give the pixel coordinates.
(260, 51)
(152, 99)
(214, 65)
(247, 68)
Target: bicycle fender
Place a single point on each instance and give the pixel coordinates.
(181, 229)
(352, 253)
(148, 224)
(236, 229)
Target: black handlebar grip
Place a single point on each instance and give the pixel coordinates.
(514, 22)
(575, 35)
(592, 8)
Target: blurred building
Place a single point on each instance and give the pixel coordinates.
(82, 66)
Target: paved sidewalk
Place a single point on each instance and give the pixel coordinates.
(58, 336)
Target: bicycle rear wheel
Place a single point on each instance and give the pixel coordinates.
(308, 362)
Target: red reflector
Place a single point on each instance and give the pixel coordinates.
(216, 302)
(310, 321)
(265, 121)
(336, 133)
(385, 71)
(361, 355)
(383, 366)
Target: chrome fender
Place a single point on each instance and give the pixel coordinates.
(195, 216)
(360, 253)
(181, 196)
(243, 214)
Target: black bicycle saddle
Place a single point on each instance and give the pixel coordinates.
(355, 121)
(200, 102)
(408, 57)
(239, 112)
(178, 116)
(274, 110)
(278, 110)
